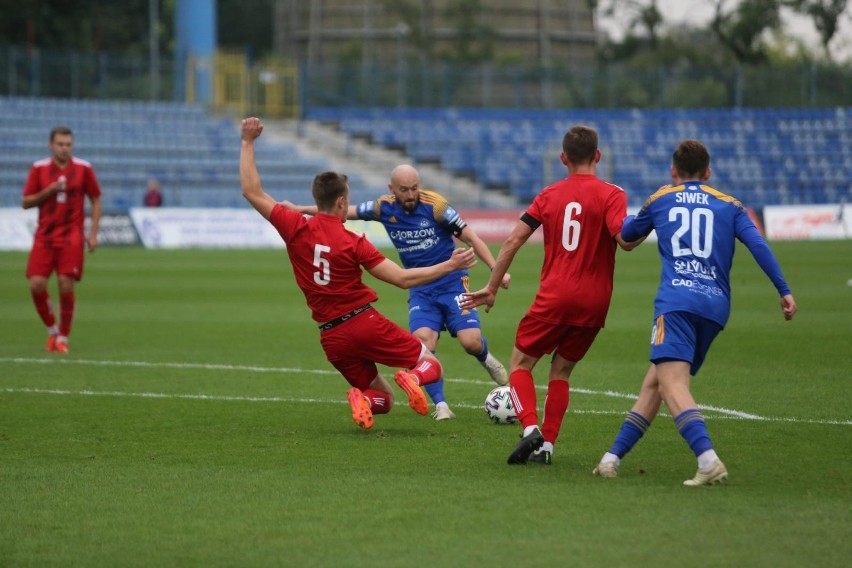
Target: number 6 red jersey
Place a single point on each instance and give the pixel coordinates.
(580, 217)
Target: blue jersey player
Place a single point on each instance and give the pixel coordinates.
(422, 225)
(696, 226)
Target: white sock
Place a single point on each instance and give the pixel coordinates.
(442, 404)
(546, 447)
(706, 459)
(53, 330)
(608, 457)
(529, 430)
(62, 339)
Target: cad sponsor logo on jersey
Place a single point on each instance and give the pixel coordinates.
(697, 287)
(695, 269)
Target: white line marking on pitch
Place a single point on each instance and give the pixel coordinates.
(727, 413)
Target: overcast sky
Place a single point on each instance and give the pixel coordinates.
(701, 11)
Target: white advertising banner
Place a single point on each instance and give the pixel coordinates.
(174, 227)
(375, 232)
(17, 227)
(804, 222)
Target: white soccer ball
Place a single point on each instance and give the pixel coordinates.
(499, 407)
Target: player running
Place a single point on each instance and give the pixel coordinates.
(581, 219)
(697, 227)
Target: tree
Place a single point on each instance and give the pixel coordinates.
(238, 27)
(741, 30)
(645, 17)
(82, 25)
(473, 41)
(825, 15)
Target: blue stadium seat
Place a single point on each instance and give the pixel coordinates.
(192, 154)
(762, 156)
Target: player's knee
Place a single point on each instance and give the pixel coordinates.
(38, 285)
(472, 345)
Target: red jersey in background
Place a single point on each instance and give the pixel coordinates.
(61, 217)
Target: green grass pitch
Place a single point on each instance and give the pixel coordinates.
(196, 422)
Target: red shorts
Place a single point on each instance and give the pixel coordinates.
(66, 259)
(356, 345)
(536, 338)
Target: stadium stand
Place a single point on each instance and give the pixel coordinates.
(193, 155)
(761, 156)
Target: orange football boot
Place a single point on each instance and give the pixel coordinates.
(51, 344)
(361, 412)
(416, 398)
(60, 347)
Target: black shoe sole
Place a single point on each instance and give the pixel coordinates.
(525, 448)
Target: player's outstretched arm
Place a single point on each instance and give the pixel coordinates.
(482, 297)
(390, 272)
(483, 252)
(250, 129)
(351, 213)
(761, 252)
(486, 296)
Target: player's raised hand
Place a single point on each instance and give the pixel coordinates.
(462, 258)
(484, 297)
(251, 128)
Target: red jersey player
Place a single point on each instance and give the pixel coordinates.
(581, 217)
(58, 186)
(327, 261)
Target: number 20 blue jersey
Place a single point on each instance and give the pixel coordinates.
(696, 229)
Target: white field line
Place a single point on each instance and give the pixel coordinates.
(725, 412)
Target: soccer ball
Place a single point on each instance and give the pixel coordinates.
(499, 407)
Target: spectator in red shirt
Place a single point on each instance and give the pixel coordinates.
(581, 217)
(59, 186)
(327, 261)
(153, 196)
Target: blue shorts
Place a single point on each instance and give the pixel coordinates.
(682, 336)
(439, 310)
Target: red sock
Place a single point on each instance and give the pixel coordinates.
(66, 312)
(523, 397)
(555, 407)
(428, 371)
(44, 307)
(380, 401)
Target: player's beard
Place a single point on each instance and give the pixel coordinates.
(410, 205)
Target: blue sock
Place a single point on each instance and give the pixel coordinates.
(436, 390)
(483, 355)
(690, 424)
(634, 427)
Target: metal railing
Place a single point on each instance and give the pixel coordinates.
(284, 89)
